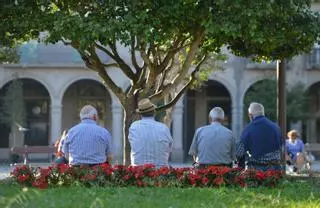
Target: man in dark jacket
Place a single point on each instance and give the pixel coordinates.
(260, 142)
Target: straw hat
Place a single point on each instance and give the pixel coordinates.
(145, 106)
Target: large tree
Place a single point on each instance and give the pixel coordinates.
(167, 40)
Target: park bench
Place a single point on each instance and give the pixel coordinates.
(26, 150)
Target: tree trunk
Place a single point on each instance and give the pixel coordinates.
(130, 115)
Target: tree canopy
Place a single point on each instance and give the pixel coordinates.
(167, 40)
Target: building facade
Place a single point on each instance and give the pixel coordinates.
(56, 84)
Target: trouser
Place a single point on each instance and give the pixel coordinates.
(88, 165)
(220, 165)
(265, 167)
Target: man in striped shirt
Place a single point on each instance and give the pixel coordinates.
(151, 141)
(87, 143)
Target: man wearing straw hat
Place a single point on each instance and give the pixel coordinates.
(150, 140)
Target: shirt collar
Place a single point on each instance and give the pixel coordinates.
(258, 117)
(87, 120)
(147, 118)
(216, 122)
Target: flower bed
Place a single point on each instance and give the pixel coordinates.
(142, 176)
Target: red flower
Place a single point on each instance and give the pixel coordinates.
(218, 181)
(204, 180)
(260, 175)
(63, 168)
(41, 184)
(163, 170)
(23, 178)
(140, 183)
(126, 177)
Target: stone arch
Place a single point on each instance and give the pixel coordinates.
(73, 80)
(36, 101)
(198, 103)
(250, 83)
(226, 83)
(31, 76)
(82, 92)
(313, 114)
(270, 108)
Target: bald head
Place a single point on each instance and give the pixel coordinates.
(88, 112)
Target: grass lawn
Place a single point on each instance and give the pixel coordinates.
(289, 194)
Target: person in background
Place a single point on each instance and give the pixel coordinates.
(60, 159)
(260, 142)
(295, 150)
(150, 140)
(87, 144)
(213, 144)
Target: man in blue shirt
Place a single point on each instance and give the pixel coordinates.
(260, 142)
(87, 143)
(150, 140)
(213, 144)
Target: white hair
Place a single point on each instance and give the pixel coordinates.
(88, 112)
(256, 109)
(216, 113)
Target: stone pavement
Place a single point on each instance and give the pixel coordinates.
(5, 169)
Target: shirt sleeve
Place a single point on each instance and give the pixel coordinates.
(193, 148)
(109, 144)
(65, 145)
(241, 146)
(233, 148)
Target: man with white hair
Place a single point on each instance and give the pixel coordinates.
(87, 143)
(213, 144)
(260, 142)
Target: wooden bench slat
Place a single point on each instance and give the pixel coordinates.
(33, 149)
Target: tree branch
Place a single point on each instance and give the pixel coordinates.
(171, 53)
(110, 65)
(164, 74)
(99, 67)
(133, 55)
(184, 69)
(184, 88)
(115, 56)
(122, 64)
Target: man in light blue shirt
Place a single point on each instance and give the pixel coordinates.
(150, 140)
(213, 144)
(87, 143)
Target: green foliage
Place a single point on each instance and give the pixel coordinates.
(8, 55)
(13, 108)
(265, 92)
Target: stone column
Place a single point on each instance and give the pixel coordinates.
(56, 119)
(237, 119)
(312, 130)
(117, 129)
(177, 132)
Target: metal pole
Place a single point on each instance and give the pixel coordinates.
(281, 104)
